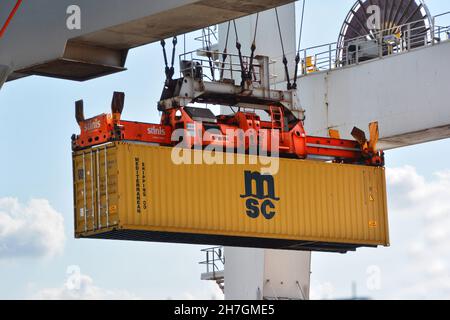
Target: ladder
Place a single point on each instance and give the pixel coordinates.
(277, 118)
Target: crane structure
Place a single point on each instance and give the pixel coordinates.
(394, 105)
(401, 85)
(242, 130)
(207, 79)
(86, 39)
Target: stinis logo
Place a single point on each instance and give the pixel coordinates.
(158, 131)
(261, 201)
(92, 125)
(9, 18)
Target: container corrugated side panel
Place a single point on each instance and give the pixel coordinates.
(318, 202)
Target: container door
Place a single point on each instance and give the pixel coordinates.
(106, 186)
(84, 191)
(95, 185)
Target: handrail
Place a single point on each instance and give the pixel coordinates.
(332, 55)
(215, 261)
(335, 55)
(442, 14)
(213, 66)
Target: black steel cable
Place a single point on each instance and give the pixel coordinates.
(297, 58)
(285, 61)
(235, 31)
(170, 71)
(225, 52)
(253, 49)
(256, 27)
(166, 62)
(241, 60)
(301, 26)
(228, 35)
(172, 67)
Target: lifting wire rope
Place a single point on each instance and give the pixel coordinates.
(225, 52)
(241, 60)
(253, 49)
(297, 58)
(285, 61)
(246, 74)
(170, 71)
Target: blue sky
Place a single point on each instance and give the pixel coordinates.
(37, 121)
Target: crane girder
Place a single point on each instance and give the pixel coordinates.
(91, 39)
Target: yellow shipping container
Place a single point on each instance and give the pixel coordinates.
(130, 191)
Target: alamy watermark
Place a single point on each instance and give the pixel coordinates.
(73, 281)
(374, 20)
(235, 147)
(73, 21)
(373, 281)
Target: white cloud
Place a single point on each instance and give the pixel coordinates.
(81, 287)
(322, 291)
(34, 229)
(428, 202)
(210, 292)
(417, 264)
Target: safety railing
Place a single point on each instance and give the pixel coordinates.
(212, 66)
(215, 260)
(441, 30)
(378, 44)
(209, 64)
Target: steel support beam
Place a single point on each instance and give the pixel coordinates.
(43, 36)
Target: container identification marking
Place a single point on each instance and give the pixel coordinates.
(138, 186)
(141, 185)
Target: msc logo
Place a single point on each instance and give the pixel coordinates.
(260, 195)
